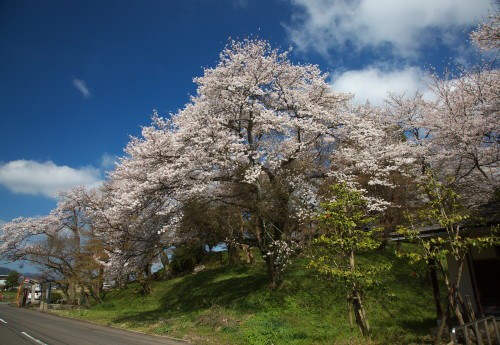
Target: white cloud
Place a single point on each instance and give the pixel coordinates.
(108, 161)
(240, 3)
(30, 177)
(404, 26)
(374, 82)
(82, 87)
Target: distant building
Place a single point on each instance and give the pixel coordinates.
(3, 278)
(38, 292)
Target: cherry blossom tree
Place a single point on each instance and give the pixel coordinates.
(372, 150)
(457, 127)
(487, 35)
(464, 123)
(63, 244)
(132, 242)
(241, 140)
(374, 157)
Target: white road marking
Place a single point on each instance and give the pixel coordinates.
(2, 320)
(34, 339)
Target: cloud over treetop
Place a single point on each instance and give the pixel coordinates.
(403, 26)
(47, 178)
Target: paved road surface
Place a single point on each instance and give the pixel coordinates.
(19, 326)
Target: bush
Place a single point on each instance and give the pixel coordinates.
(56, 297)
(186, 257)
(11, 280)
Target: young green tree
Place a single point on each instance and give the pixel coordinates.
(11, 280)
(443, 208)
(346, 226)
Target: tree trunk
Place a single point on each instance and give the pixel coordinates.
(275, 275)
(232, 253)
(64, 289)
(145, 280)
(167, 271)
(248, 251)
(72, 300)
(357, 303)
(126, 280)
(349, 310)
(442, 325)
(245, 247)
(453, 302)
(96, 287)
(452, 291)
(95, 294)
(100, 282)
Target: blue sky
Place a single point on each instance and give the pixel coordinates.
(78, 77)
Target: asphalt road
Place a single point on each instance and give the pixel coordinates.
(19, 326)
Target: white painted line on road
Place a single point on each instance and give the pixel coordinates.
(2, 320)
(34, 339)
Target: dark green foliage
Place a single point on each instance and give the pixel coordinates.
(186, 257)
(56, 297)
(11, 280)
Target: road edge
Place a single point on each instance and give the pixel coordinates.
(100, 324)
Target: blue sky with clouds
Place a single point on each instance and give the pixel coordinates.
(78, 77)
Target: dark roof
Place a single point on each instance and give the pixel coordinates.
(484, 216)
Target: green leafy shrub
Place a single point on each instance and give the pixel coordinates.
(185, 258)
(56, 297)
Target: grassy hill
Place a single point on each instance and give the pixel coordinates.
(232, 305)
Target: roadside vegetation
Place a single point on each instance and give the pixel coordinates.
(233, 305)
(8, 296)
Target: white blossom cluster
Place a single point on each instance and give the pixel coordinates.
(280, 252)
(371, 145)
(487, 35)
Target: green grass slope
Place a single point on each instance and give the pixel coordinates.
(232, 305)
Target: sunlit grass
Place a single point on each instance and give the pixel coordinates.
(232, 305)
